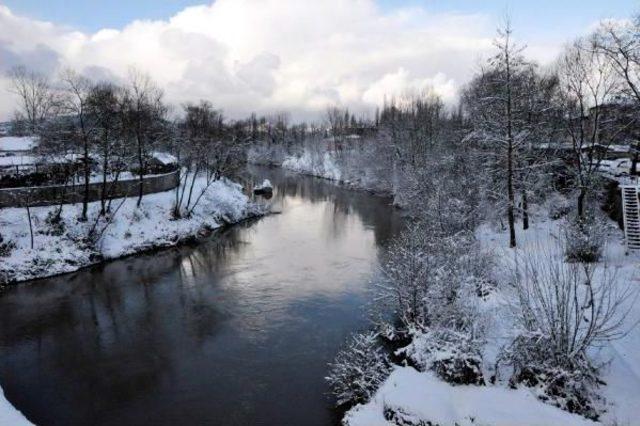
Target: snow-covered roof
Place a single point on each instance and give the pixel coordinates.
(619, 148)
(164, 157)
(18, 143)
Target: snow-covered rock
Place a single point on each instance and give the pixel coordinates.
(264, 187)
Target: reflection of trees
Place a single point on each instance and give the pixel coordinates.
(77, 346)
(107, 334)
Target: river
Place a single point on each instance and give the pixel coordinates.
(235, 330)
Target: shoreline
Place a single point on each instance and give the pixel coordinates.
(133, 231)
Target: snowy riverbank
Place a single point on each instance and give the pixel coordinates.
(422, 398)
(10, 416)
(131, 230)
(347, 168)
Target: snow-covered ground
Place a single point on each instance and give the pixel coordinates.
(415, 397)
(9, 416)
(132, 230)
(17, 143)
(423, 397)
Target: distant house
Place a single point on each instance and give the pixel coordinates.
(161, 162)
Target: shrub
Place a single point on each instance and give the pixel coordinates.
(453, 355)
(568, 382)
(564, 310)
(584, 241)
(6, 247)
(358, 370)
(431, 281)
(55, 223)
(559, 207)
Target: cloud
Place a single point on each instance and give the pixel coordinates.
(266, 55)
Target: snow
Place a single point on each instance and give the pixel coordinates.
(132, 230)
(622, 357)
(164, 158)
(17, 160)
(615, 168)
(305, 163)
(9, 416)
(266, 184)
(15, 143)
(422, 396)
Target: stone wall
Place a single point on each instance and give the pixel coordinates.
(49, 195)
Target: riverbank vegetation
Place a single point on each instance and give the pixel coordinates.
(108, 146)
(509, 276)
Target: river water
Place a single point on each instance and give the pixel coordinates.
(236, 330)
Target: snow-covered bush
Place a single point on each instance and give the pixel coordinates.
(568, 382)
(453, 355)
(268, 154)
(55, 223)
(584, 240)
(358, 370)
(6, 247)
(564, 310)
(430, 280)
(558, 206)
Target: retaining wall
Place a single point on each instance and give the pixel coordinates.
(49, 195)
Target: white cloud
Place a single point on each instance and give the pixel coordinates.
(265, 55)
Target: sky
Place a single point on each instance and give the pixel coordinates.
(293, 55)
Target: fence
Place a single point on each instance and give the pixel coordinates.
(49, 195)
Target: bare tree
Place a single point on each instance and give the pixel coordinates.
(75, 103)
(104, 107)
(37, 98)
(205, 150)
(145, 115)
(587, 88)
(619, 42)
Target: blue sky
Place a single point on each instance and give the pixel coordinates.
(536, 18)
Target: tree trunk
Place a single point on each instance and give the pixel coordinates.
(30, 223)
(103, 196)
(581, 197)
(511, 197)
(525, 210)
(176, 206)
(141, 171)
(510, 190)
(87, 177)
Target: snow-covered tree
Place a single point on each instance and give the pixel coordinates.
(358, 370)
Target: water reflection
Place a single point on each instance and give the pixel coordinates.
(234, 331)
